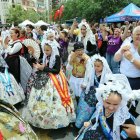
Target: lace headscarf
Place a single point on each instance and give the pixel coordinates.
(46, 34)
(53, 54)
(89, 35)
(119, 83)
(106, 70)
(49, 32)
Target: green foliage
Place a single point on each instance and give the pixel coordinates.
(18, 15)
(94, 10)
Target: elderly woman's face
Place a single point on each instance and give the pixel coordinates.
(112, 103)
(83, 30)
(136, 37)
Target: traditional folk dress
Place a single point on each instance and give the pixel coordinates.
(12, 126)
(11, 91)
(12, 59)
(88, 40)
(87, 102)
(49, 105)
(109, 128)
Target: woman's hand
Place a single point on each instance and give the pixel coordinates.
(125, 48)
(38, 66)
(130, 129)
(86, 124)
(128, 55)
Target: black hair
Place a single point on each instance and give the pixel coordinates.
(98, 60)
(84, 26)
(78, 45)
(30, 26)
(46, 44)
(116, 93)
(43, 27)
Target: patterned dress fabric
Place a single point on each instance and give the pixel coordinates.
(15, 95)
(44, 108)
(87, 104)
(12, 126)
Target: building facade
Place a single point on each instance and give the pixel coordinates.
(37, 5)
(4, 6)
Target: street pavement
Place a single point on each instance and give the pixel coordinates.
(68, 133)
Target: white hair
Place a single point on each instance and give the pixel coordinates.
(136, 29)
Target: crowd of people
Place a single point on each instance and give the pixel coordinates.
(93, 84)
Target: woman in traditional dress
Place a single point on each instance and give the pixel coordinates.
(12, 126)
(50, 35)
(87, 37)
(87, 102)
(11, 92)
(49, 105)
(12, 53)
(111, 112)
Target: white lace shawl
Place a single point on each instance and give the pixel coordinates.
(88, 76)
(89, 36)
(53, 54)
(105, 72)
(122, 114)
(48, 32)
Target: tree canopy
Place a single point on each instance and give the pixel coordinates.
(17, 14)
(93, 10)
